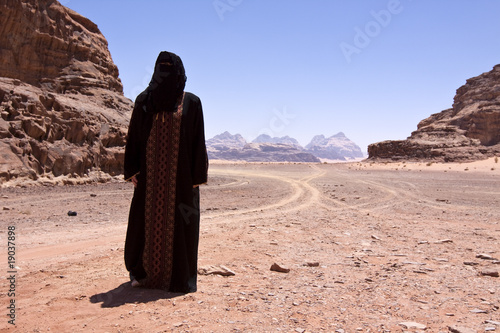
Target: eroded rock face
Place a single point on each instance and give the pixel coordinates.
(470, 130)
(61, 102)
(48, 45)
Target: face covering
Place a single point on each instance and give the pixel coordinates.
(167, 85)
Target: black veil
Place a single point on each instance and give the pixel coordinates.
(166, 88)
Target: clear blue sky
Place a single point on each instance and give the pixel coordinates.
(371, 69)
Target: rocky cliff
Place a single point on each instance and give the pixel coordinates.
(470, 130)
(61, 101)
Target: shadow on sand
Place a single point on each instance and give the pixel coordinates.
(126, 294)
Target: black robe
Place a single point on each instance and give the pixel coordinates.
(161, 247)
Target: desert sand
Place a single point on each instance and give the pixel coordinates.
(370, 247)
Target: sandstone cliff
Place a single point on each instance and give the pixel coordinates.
(61, 102)
(470, 130)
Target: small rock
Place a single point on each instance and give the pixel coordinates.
(419, 271)
(93, 195)
(485, 257)
(490, 272)
(216, 270)
(460, 330)
(312, 264)
(6, 208)
(375, 237)
(442, 241)
(413, 263)
(72, 213)
(470, 263)
(478, 311)
(413, 325)
(496, 323)
(277, 268)
(490, 329)
(441, 259)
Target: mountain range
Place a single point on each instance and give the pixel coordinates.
(265, 148)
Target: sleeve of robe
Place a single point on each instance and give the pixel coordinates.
(132, 161)
(200, 159)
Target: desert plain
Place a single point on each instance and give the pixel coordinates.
(362, 247)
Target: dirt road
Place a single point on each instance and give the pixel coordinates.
(370, 248)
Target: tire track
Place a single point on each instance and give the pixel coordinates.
(296, 192)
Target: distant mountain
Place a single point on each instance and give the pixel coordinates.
(226, 146)
(273, 152)
(264, 138)
(264, 148)
(227, 140)
(336, 147)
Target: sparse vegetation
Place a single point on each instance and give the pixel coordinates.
(496, 159)
(429, 164)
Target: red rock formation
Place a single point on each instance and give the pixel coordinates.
(470, 130)
(48, 45)
(61, 102)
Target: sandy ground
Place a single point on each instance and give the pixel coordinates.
(371, 247)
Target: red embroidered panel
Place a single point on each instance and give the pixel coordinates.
(161, 159)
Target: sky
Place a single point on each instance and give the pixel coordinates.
(370, 69)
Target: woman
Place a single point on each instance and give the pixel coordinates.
(166, 160)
